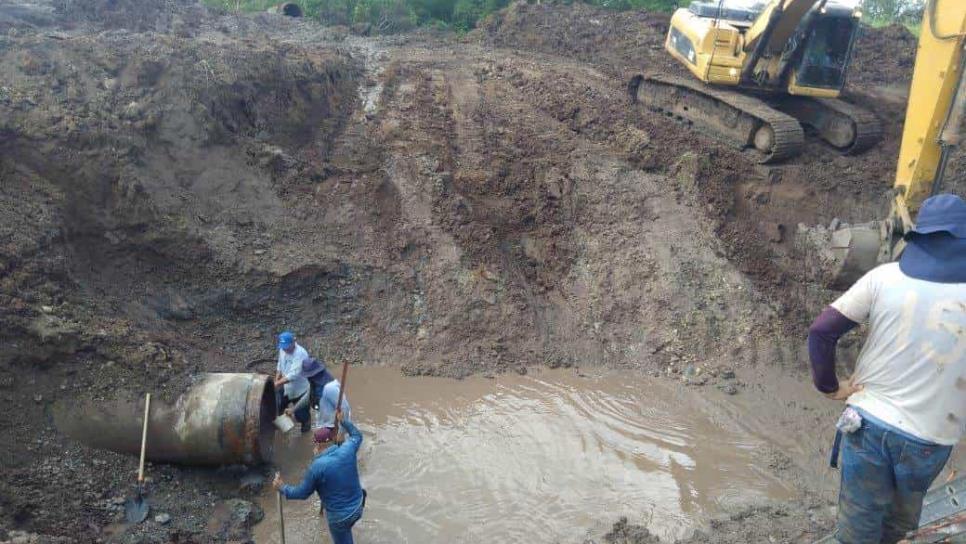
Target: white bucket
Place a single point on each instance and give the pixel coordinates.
(284, 423)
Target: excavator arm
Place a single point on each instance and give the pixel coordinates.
(933, 127)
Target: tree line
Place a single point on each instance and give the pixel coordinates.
(388, 16)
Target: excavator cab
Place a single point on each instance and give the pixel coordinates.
(826, 51)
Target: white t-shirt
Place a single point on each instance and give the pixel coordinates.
(913, 364)
(290, 366)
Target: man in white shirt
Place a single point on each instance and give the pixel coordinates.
(288, 376)
(907, 397)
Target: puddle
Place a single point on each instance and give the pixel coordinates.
(550, 457)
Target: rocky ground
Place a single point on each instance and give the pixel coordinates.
(176, 186)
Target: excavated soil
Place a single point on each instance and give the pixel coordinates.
(176, 186)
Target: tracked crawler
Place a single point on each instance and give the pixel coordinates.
(762, 71)
(772, 126)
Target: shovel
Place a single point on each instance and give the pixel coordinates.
(136, 509)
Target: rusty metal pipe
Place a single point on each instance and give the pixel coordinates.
(223, 419)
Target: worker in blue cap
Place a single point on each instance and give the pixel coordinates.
(288, 377)
(906, 400)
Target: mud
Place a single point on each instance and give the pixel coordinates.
(532, 459)
(176, 186)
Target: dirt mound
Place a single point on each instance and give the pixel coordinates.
(134, 15)
(136, 169)
(607, 39)
(883, 57)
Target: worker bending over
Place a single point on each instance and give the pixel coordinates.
(334, 475)
(323, 394)
(907, 398)
(288, 373)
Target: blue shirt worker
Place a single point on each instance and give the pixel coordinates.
(324, 392)
(288, 377)
(334, 475)
(907, 398)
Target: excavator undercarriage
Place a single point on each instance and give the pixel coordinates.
(770, 125)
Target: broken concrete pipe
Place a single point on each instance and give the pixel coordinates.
(223, 419)
(290, 9)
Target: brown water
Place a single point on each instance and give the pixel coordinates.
(549, 457)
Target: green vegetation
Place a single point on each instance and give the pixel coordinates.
(397, 15)
(462, 15)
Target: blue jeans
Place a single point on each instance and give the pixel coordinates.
(885, 475)
(341, 531)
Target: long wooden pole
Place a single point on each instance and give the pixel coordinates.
(144, 437)
(281, 517)
(338, 406)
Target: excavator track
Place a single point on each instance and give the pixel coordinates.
(745, 121)
(846, 127)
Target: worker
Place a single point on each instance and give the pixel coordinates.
(323, 393)
(334, 475)
(288, 375)
(906, 400)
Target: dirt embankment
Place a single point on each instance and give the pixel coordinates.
(178, 186)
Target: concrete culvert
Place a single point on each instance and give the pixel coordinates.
(223, 419)
(290, 9)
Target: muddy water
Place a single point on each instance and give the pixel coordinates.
(549, 457)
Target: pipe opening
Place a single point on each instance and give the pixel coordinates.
(264, 448)
(291, 9)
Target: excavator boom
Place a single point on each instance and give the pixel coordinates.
(934, 117)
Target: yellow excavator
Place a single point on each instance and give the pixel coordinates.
(763, 70)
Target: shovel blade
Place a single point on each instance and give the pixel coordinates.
(136, 509)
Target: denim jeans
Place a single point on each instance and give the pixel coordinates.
(885, 476)
(341, 531)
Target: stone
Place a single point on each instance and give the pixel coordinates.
(729, 389)
(162, 518)
(253, 482)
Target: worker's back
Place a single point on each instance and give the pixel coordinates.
(337, 476)
(913, 365)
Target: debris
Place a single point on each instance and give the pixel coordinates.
(162, 518)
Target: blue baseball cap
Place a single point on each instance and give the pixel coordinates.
(941, 213)
(286, 340)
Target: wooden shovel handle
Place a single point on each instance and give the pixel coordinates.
(144, 435)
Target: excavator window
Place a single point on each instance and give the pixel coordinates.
(826, 55)
(682, 44)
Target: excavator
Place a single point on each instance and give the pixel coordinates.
(762, 71)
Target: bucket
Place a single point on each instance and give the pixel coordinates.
(284, 423)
